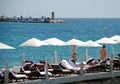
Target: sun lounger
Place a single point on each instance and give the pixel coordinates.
(59, 70)
(49, 66)
(69, 65)
(89, 61)
(98, 65)
(42, 73)
(95, 68)
(40, 66)
(26, 68)
(16, 76)
(116, 64)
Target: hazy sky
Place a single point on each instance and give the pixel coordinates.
(62, 8)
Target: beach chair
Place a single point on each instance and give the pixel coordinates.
(43, 62)
(68, 64)
(95, 68)
(98, 66)
(42, 73)
(16, 76)
(89, 61)
(49, 66)
(59, 70)
(26, 68)
(116, 63)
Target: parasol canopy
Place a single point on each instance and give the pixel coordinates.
(116, 38)
(33, 42)
(5, 46)
(74, 42)
(106, 40)
(91, 43)
(54, 42)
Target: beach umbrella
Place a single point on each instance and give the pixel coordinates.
(74, 42)
(54, 42)
(116, 38)
(90, 43)
(106, 40)
(5, 46)
(33, 42)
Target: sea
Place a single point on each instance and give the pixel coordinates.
(84, 29)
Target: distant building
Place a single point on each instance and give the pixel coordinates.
(52, 16)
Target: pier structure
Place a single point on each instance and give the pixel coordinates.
(43, 19)
(108, 77)
(81, 79)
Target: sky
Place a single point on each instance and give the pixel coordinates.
(62, 8)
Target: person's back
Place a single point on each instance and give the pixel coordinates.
(103, 52)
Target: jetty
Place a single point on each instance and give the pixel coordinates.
(104, 72)
(109, 76)
(100, 78)
(43, 19)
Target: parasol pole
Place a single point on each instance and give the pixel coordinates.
(81, 67)
(86, 54)
(46, 69)
(23, 58)
(6, 73)
(55, 57)
(111, 60)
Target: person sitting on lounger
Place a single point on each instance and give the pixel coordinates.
(74, 58)
(103, 52)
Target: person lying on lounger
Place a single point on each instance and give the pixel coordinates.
(74, 58)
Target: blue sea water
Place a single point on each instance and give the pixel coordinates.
(15, 33)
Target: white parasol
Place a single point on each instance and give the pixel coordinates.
(106, 40)
(116, 38)
(90, 43)
(74, 42)
(33, 42)
(54, 42)
(4, 46)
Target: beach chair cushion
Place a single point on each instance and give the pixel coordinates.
(69, 65)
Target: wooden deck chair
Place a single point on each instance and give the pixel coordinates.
(16, 76)
(59, 70)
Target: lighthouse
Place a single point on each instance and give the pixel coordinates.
(52, 16)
